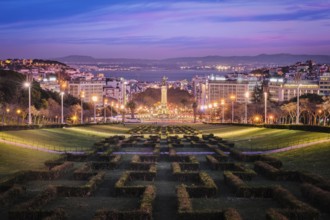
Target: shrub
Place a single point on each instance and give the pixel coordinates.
(184, 202)
(231, 214)
(317, 196)
(294, 207)
(273, 214)
(147, 199)
(10, 194)
(214, 163)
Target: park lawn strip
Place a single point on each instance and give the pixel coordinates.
(13, 159)
(314, 159)
(253, 138)
(70, 139)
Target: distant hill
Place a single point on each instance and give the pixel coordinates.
(277, 59)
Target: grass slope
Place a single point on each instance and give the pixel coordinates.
(252, 138)
(314, 159)
(13, 159)
(80, 138)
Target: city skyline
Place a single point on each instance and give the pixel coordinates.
(158, 29)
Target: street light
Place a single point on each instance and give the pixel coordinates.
(28, 85)
(112, 105)
(94, 99)
(246, 105)
(298, 110)
(232, 98)
(18, 111)
(62, 115)
(271, 117)
(105, 102)
(266, 107)
(123, 113)
(222, 102)
(82, 96)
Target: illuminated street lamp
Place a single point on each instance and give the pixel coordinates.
(256, 119)
(232, 98)
(222, 102)
(298, 110)
(18, 111)
(94, 99)
(122, 113)
(265, 95)
(82, 96)
(112, 105)
(62, 113)
(28, 85)
(246, 104)
(105, 102)
(271, 117)
(74, 119)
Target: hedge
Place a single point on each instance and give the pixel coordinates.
(84, 190)
(241, 189)
(121, 189)
(273, 214)
(10, 194)
(318, 197)
(31, 208)
(294, 208)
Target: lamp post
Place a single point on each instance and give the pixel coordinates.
(94, 99)
(28, 85)
(222, 102)
(18, 111)
(210, 112)
(82, 96)
(112, 105)
(7, 112)
(232, 98)
(62, 114)
(265, 95)
(105, 102)
(215, 105)
(246, 104)
(123, 113)
(298, 110)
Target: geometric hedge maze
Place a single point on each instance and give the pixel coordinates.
(164, 172)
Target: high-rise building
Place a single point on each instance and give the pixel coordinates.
(89, 88)
(282, 90)
(325, 84)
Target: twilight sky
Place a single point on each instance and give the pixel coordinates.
(162, 28)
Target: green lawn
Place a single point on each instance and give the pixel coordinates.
(252, 138)
(13, 159)
(74, 138)
(314, 159)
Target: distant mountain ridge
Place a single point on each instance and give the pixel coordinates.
(277, 59)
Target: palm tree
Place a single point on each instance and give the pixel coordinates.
(132, 106)
(194, 106)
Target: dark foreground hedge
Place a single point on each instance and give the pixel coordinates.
(318, 197)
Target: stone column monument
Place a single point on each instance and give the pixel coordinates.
(163, 103)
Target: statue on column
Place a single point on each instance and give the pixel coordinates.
(164, 80)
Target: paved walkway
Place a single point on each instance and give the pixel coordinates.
(246, 152)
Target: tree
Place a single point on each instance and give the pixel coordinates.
(132, 106)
